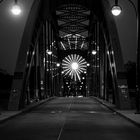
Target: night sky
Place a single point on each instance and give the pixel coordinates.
(11, 29)
(126, 24)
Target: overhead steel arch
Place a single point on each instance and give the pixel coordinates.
(17, 91)
(43, 10)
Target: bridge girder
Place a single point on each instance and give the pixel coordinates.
(45, 10)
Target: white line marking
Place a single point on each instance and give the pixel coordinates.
(58, 138)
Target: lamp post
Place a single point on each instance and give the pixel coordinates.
(58, 64)
(94, 52)
(116, 11)
(16, 9)
(0, 2)
(49, 52)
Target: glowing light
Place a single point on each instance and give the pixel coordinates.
(62, 72)
(116, 10)
(94, 52)
(16, 10)
(73, 65)
(58, 64)
(49, 52)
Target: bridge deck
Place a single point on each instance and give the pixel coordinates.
(69, 119)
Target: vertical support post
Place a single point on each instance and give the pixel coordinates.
(17, 90)
(98, 58)
(52, 60)
(45, 61)
(42, 63)
(49, 64)
(102, 65)
(105, 73)
(47, 58)
(138, 64)
(36, 73)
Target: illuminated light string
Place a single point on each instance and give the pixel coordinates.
(73, 65)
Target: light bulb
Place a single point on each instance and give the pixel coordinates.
(49, 52)
(74, 66)
(16, 10)
(94, 52)
(58, 64)
(116, 10)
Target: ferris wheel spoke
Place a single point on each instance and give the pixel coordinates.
(82, 60)
(73, 65)
(78, 75)
(69, 58)
(77, 58)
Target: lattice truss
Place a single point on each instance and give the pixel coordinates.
(73, 42)
(73, 23)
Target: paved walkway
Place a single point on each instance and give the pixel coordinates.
(128, 114)
(6, 115)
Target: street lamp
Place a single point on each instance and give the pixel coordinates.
(94, 52)
(16, 9)
(116, 9)
(58, 64)
(88, 64)
(49, 52)
(137, 52)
